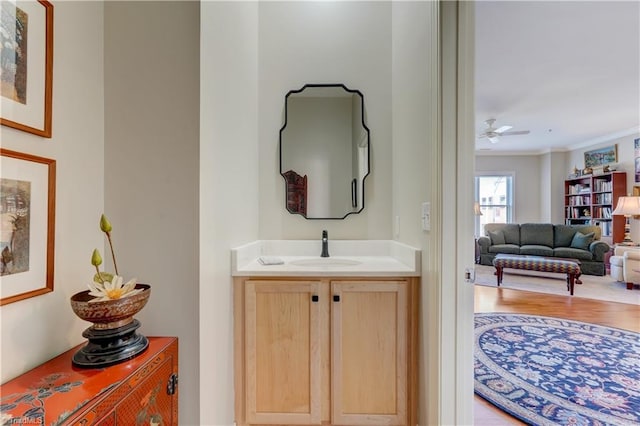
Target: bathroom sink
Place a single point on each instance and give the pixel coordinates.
(324, 261)
(349, 258)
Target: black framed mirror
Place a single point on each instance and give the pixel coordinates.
(324, 151)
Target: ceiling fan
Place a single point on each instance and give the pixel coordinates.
(493, 134)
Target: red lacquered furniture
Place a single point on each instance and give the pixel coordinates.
(141, 391)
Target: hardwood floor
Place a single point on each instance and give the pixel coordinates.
(491, 299)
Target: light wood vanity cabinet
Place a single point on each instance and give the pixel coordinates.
(326, 350)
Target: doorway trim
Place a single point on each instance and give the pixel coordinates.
(456, 231)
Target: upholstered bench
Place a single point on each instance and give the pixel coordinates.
(571, 267)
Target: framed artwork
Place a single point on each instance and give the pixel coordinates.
(27, 227)
(26, 32)
(601, 156)
(636, 146)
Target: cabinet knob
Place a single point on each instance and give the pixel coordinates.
(314, 298)
(336, 297)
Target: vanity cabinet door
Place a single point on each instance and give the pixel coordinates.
(282, 358)
(369, 345)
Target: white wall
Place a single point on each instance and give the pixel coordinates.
(545, 187)
(36, 329)
(229, 185)
(551, 200)
(152, 168)
(414, 104)
(412, 90)
(556, 198)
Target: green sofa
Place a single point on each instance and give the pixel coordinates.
(580, 242)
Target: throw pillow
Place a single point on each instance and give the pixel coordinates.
(582, 241)
(497, 237)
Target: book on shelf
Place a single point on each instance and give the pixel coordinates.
(577, 200)
(604, 198)
(601, 185)
(579, 189)
(601, 212)
(606, 227)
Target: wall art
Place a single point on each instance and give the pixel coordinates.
(601, 156)
(26, 33)
(27, 227)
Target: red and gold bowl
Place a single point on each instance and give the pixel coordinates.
(109, 314)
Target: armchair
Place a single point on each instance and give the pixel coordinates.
(625, 265)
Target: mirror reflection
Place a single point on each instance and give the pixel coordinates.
(324, 151)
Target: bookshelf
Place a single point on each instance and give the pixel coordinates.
(590, 199)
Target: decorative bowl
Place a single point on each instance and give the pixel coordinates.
(110, 314)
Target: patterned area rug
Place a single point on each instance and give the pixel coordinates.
(552, 371)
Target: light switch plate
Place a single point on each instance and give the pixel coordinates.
(426, 216)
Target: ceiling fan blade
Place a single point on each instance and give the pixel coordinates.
(503, 129)
(519, 132)
(493, 139)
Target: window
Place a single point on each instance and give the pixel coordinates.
(495, 195)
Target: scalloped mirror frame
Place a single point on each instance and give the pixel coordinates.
(299, 182)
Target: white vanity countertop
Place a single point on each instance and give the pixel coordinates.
(347, 258)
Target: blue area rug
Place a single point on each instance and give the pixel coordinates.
(551, 371)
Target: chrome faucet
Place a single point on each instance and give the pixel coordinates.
(325, 244)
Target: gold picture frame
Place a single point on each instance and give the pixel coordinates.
(27, 237)
(27, 86)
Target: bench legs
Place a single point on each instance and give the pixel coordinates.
(571, 280)
(499, 272)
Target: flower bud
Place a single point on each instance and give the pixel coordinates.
(105, 225)
(96, 259)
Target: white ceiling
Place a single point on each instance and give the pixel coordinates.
(567, 71)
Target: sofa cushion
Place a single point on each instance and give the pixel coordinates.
(582, 241)
(536, 250)
(539, 234)
(562, 235)
(572, 253)
(511, 233)
(505, 248)
(497, 237)
(585, 229)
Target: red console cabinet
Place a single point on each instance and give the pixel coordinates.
(140, 391)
